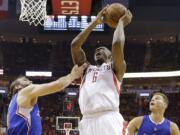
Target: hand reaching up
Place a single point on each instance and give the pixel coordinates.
(126, 18)
(77, 71)
(100, 15)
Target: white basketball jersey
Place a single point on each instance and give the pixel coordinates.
(99, 90)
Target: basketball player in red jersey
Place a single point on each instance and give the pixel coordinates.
(100, 87)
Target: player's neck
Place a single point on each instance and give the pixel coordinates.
(98, 64)
(157, 117)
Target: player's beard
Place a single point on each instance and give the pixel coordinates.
(99, 61)
(25, 85)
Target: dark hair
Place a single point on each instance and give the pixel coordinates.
(165, 98)
(13, 85)
(105, 47)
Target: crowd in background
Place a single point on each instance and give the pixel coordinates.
(139, 58)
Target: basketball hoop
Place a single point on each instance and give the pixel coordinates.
(67, 127)
(67, 124)
(33, 11)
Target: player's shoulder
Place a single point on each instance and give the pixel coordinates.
(25, 91)
(137, 121)
(174, 128)
(172, 123)
(139, 118)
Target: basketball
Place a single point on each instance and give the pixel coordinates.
(113, 13)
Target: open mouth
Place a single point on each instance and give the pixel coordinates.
(152, 103)
(98, 54)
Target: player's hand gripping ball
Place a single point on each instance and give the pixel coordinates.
(113, 13)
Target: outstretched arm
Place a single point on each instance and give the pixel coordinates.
(119, 64)
(77, 52)
(32, 92)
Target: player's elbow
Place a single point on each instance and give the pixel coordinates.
(74, 43)
(74, 47)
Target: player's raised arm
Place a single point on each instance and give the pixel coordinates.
(119, 64)
(78, 55)
(33, 91)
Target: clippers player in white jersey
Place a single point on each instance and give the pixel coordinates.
(100, 87)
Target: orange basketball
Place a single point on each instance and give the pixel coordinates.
(114, 12)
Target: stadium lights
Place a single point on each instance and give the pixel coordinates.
(38, 73)
(144, 94)
(152, 74)
(1, 71)
(127, 75)
(72, 93)
(2, 91)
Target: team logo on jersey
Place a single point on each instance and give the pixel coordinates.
(100, 69)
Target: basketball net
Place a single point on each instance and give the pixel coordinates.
(67, 131)
(33, 11)
(67, 127)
